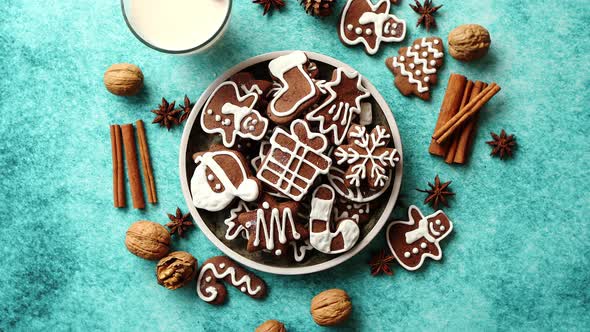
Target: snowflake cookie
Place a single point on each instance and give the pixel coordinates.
(411, 242)
(368, 158)
(363, 22)
(415, 69)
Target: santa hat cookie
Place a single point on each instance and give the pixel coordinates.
(222, 175)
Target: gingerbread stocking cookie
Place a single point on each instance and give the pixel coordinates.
(361, 21)
(222, 175)
(415, 69)
(215, 269)
(321, 236)
(298, 91)
(368, 157)
(272, 226)
(411, 242)
(230, 113)
(336, 113)
(295, 160)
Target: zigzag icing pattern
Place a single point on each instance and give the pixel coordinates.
(418, 61)
(231, 271)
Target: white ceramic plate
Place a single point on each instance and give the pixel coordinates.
(211, 224)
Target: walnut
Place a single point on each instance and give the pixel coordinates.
(331, 307)
(176, 270)
(147, 239)
(123, 79)
(271, 326)
(469, 42)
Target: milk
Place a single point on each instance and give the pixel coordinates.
(177, 25)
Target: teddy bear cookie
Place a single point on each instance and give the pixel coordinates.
(411, 242)
(230, 112)
(220, 176)
(218, 268)
(415, 68)
(297, 90)
(336, 113)
(361, 21)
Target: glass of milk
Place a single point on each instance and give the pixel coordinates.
(177, 26)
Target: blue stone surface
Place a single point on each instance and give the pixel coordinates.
(519, 258)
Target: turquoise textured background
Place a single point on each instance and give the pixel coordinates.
(518, 259)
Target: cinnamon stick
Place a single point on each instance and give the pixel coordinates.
(132, 166)
(146, 163)
(450, 106)
(466, 113)
(118, 179)
(455, 143)
(466, 135)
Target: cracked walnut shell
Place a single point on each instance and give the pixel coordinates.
(176, 270)
(271, 326)
(123, 79)
(147, 239)
(331, 307)
(469, 42)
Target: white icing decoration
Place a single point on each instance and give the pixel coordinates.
(415, 251)
(417, 47)
(358, 31)
(433, 62)
(401, 58)
(238, 114)
(418, 61)
(380, 22)
(299, 252)
(243, 289)
(208, 279)
(411, 222)
(205, 198)
(244, 280)
(265, 205)
(210, 177)
(253, 89)
(234, 229)
(407, 254)
(278, 67)
(424, 54)
(321, 211)
(349, 27)
(442, 228)
(418, 73)
(423, 245)
(436, 42)
(369, 142)
(426, 79)
(222, 265)
(336, 178)
(299, 158)
(278, 252)
(217, 186)
(412, 66)
(437, 221)
(276, 221)
(343, 111)
(369, 32)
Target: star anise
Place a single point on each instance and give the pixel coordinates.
(437, 193)
(503, 144)
(270, 4)
(179, 223)
(166, 115)
(185, 109)
(426, 12)
(380, 263)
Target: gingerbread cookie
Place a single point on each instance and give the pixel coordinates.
(211, 290)
(230, 113)
(336, 113)
(234, 228)
(321, 236)
(272, 226)
(295, 160)
(300, 249)
(361, 21)
(222, 175)
(362, 194)
(297, 93)
(359, 212)
(367, 156)
(249, 84)
(411, 242)
(415, 69)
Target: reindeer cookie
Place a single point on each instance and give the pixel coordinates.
(415, 69)
(361, 21)
(297, 90)
(222, 175)
(321, 236)
(336, 113)
(230, 113)
(411, 242)
(211, 290)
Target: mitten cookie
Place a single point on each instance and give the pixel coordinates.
(222, 175)
(295, 160)
(416, 66)
(230, 113)
(321, 236)
(211, 290)
(336, 113)
(297, 93)
(411, 242)
(361, 21)
(368, 158)
(272, 225)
